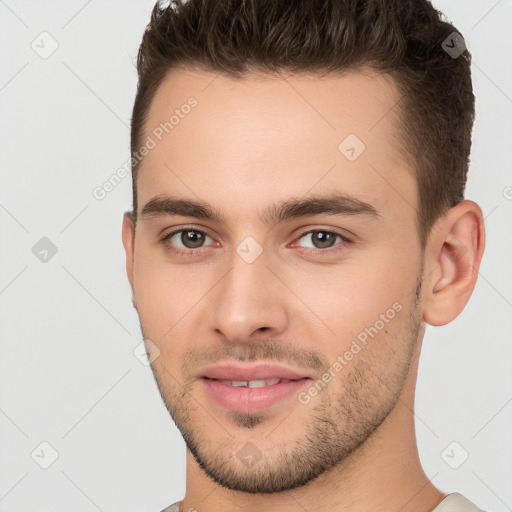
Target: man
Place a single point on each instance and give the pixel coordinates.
(298, 218)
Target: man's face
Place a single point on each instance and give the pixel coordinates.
(328, 291)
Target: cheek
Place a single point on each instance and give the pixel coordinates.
(161, 293)
(368, 293)
(170, 298)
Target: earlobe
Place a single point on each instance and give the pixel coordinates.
(453, 258)
(128, 237)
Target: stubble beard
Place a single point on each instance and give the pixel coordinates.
(335, 428)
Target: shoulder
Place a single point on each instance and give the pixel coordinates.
(175, 507)
(455, 502)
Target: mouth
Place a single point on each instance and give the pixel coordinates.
(252, 396)
(253, 383)
(254, 373)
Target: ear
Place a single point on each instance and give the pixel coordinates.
(452, 259)
(128, 235)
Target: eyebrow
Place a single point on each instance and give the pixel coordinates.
(293, 208)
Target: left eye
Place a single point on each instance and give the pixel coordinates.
(322, 239)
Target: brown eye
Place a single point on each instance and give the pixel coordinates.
(323, 239)
(192, 239)
(184, 239)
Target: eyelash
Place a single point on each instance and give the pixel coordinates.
(197, 252)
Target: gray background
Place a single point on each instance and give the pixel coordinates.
(68, 375)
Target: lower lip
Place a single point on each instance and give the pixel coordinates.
(250, 400)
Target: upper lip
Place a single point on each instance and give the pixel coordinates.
(251, 372)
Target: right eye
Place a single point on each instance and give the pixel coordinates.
(185, 241)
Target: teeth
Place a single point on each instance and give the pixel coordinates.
(252, 383)
(262, 383)
(237, 383)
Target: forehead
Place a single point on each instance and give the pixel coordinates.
(271, 136)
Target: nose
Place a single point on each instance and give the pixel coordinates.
(249, 300)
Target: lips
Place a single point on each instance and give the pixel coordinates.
(248, 373)
(251, 389)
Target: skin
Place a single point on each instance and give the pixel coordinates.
(249, 144)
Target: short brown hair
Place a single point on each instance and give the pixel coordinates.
(401, 37)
